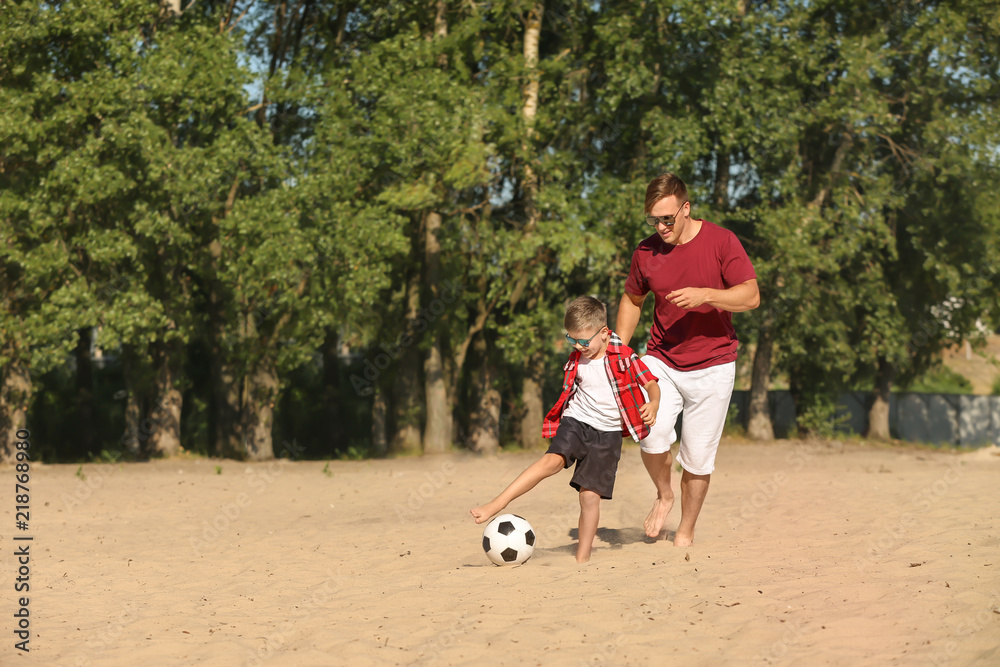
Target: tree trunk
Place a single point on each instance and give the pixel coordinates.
(531, 386)
(534, 409)
(878, 413)
(226, 394)
(260, 396)
(83, 401)
(529, 111)
(721, 195)
(439, 426)
(438, 429)
(15, 394)
(166, 437)
(441, 27)
(225, 416)
(798, 394)
(380, 413)
(332, 429)
(137, 431)
(759, 426)
(485, 435)
(407, 408)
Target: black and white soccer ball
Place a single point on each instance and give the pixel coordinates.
(508, 540)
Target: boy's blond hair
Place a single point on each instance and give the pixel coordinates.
(585, 313)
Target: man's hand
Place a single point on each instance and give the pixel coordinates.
(648, 412)
(735, 299)
(689, 297)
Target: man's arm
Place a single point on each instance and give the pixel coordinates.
(736, 299)
(629, 311)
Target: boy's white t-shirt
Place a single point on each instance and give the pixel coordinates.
(593, 402)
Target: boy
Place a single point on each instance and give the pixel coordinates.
(600, 403)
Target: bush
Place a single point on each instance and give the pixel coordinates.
(819, 419)
(942, 380)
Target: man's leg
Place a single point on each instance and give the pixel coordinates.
(590, 517)
(694, 488)
(656, 447)
(706, 402)
(658, 467)
(544, 467)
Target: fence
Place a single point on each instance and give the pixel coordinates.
(954, 419)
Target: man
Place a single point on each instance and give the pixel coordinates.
(699, 275)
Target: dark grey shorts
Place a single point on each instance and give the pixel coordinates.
(595, 453)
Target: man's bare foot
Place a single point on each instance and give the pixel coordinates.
(683, 540)
(483, 513)
(658, 516)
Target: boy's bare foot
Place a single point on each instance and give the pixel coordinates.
(658, 516)
(683, 540)
(483, 513)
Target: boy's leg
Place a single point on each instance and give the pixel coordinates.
(590, 517)
(544, 467)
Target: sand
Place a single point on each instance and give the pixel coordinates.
(805, 554)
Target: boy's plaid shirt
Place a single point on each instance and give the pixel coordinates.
(627, 375)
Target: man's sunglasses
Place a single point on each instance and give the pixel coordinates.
(583, 342)
(665, 220)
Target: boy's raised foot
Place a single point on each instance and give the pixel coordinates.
(483, 513)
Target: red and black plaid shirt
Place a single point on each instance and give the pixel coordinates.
(627, 376)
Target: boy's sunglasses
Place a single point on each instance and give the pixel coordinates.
(583, 342)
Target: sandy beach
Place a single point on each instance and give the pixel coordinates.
(806, 554)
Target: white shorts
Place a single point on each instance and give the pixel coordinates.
(703, 395)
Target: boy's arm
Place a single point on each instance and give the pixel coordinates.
(648, 410)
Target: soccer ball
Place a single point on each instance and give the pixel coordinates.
(508, 540)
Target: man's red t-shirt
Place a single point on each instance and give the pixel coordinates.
(701, 337)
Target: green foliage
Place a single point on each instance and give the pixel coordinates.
(995, 389)
(232, 199)
(941, 380)
(819, 417)
(733, 427)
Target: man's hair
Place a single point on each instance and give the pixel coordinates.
(663, 186)
(584, 313)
